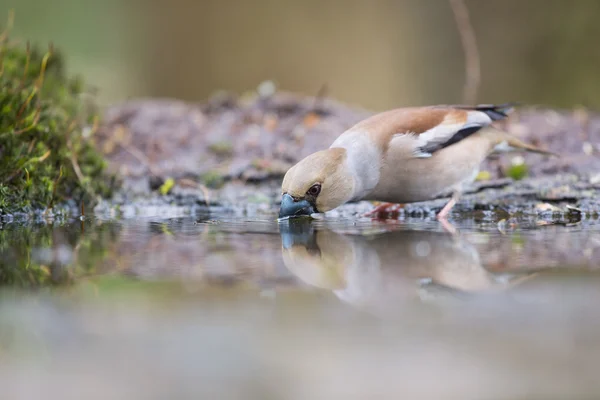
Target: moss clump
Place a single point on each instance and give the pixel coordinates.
(517, 170)
(46, 129)
(212, 179)
(166, 187)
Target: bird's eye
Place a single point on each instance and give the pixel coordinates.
(314, 190)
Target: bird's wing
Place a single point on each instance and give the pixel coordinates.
(433, 128)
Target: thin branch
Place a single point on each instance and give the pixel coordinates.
(469, 43)
(77, 170)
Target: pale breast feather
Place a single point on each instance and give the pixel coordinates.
(364, 160)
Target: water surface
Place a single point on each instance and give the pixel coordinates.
(212, 306)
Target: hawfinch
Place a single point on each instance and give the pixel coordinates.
(363, 270)
(399, 156)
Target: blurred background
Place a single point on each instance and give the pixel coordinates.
(375, 54)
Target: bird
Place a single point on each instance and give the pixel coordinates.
(402, 156)
(384, 271)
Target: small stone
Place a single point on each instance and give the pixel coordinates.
(517, 160)
(155, 182)
(266, 89)
(547, 207)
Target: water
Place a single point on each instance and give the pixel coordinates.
(212, 306)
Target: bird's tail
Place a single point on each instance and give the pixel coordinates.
(504, 142)
(494, 111)
(519, 145)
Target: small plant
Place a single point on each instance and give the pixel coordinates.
(46, 130)
(517, 169)
(212, 179)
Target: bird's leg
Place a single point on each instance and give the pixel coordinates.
(384, 208)
(442, 215)
(448, 227)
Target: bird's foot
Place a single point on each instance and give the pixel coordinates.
(385, 210)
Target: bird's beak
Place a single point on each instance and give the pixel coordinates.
(292, 208)
(298, 232)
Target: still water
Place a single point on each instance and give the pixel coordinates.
(212, 306)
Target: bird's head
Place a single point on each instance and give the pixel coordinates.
(318, 183)
(318, 257)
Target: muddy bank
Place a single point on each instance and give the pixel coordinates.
(232, 152)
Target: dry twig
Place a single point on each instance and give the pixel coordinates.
(469, 43)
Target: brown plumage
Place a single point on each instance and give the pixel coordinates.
(399, 156)
(384, 125)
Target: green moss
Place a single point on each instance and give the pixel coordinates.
(166, 187)
(212, 179)
(517, 171)
(222, 149)
(46, 132)
(483, 176)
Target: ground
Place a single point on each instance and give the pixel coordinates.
(232, 153)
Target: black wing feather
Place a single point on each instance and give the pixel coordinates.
(495, 112)
(457, 137)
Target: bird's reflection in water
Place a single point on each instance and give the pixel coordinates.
(383, 270)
